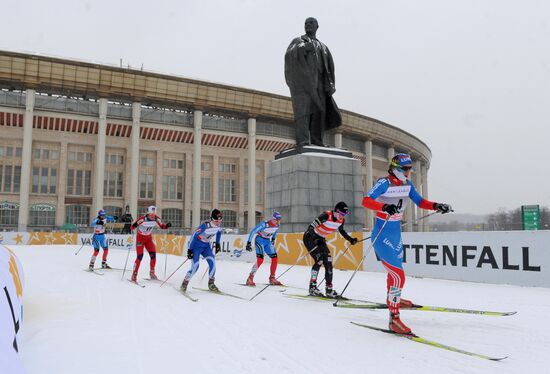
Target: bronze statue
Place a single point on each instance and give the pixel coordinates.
(309, 73)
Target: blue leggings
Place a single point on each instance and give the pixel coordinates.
(206, 252)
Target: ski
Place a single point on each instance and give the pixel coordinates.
(136, 283)
(320, 298)
(244, 284)
(418, 339)
(93, 271)
(184, 293)
(427, 308)
(219, 293)
(153, 280)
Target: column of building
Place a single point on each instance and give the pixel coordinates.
(158, 181)
(99, 170)
(134, 158)
(62, 184)
(338, 140)
(23, 218)
(368, 182)
(197, 145)
(251, 173)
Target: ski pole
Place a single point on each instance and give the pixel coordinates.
(128, 254)
(174, 272)
(283, 273)
(89, 239)
(363, 259)
(343, 254)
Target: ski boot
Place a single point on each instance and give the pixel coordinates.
(211, 286)
(274, 282)
(331, 293)
(153, 276)
(250, 281)
(91, 266)
(183, 287)
(397, 326)
(404, 303)
(314, 291)
(134, 277)
(104, 265)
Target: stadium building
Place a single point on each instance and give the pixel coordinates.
(78, 136)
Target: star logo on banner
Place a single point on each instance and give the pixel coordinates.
(35, 238)
(177, 245)
(68, 238)
(163, 243)
(18, 239)
(49, 238)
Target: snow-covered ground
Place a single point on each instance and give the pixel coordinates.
(76, 322)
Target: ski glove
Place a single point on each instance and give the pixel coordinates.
(190, 254)
(443, 208)
(391, 209)
(168, 225)
(249, 247)
(353, 241)
(218, 248)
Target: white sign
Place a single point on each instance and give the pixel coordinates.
(502, 257)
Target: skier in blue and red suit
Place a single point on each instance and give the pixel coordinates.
(200, 246)
(266, 234)
(389, 197)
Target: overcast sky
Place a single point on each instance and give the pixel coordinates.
(471, 78)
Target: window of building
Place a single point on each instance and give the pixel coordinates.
(147, 161)
(172, 187)
(77, 214)
(79, 182)
(146, 186)
(85, 157)
(206, 189)
(112, 184)
(10, 178)
(227, 190)
(172, 164)
(206, 166)
(42, 215)
(44, 180)
(174, 216)
(9, 214)
(227, 168)
(113, 211)
(114, 159)
(229, 218)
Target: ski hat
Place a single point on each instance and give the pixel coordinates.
(342, 208)
(401, 161)
(277, 216)
(152, 209)
(399, 164)
(216, 215)
(101, 213)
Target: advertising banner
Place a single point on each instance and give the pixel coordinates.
(508, 257)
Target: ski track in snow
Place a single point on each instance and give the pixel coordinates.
(76, 322)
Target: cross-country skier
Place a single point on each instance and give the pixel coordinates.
(389, 197)
(266, 234)
(144, 238)
(99, 239)
(315, 242)
(200, 246)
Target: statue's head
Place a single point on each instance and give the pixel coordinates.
(311, 25)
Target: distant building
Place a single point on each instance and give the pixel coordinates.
(77, 136)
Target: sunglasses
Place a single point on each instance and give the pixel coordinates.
(342, 213)
(406, 168)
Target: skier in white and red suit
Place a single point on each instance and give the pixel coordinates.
(144, 238)
(389, 197)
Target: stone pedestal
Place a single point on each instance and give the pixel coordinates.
(302, 185)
